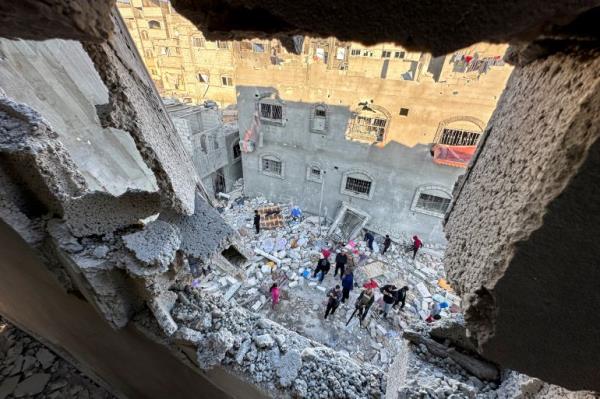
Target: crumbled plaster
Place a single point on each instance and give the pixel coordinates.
(72, 19)
(101, 213)
(156, 244)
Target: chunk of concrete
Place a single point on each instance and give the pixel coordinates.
(264, 341)
(289, 366)
(8, 385)
(156, 244)
(161, 307)
(32, 385)
(213, 349)
(45, 357)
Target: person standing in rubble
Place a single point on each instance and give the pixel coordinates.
(274, 290)
(347, 285)
(369, 238)
(257, 221)
(340, 263)
(364, 302)
(389, 292)
(333, 300)
(401, 297)
(417, 244)
(386, 244)
(323, 267)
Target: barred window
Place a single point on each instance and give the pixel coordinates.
(386, 54)
(459, 137)
(433, 203)
(271, 111)
(198, 41)
(222, 44)
(226, 81)
(358, 186)
(320, 111)
(355, 52)
(399, 54)
(315, 172)
(271, 166)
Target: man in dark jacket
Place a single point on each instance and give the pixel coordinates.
(333, 300)
(364, 302)
(340, 263)
(369, 238)
(390, 292)
(347, 285)
(401, 297)
(386, 243)
(257, 221)
(323, 266)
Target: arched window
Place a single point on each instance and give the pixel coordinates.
(314, 172)
(271, 110)
(358, 184)
(318, 118)
(144, 35)
(152, 24)
(271, 165)
(368, 123)
(460, 131)
(432, 200)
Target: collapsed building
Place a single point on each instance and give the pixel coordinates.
(103, 276)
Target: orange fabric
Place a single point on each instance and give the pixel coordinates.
(453, 155)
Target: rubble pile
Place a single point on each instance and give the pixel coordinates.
(28, 369)
(271, 356)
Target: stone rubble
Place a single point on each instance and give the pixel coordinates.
(28, 369)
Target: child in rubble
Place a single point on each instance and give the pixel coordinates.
(274, 290)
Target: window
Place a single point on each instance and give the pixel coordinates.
(431, 200)
(358, 186)
(271, 111)
(153, 24)
(202, 77)
(165, 51)
(237, 151)
(386, 54)
(271, 165)
(433, 203)
(314, 173)
(367, 53)
(318, 123)
(226, 81)
(258, 48)
(198, 41)
(459, 137)
(221, 44)
(399, 54)
(148, 53)
(369, 123)
(403, 111)
(355, 52)
(144, 35)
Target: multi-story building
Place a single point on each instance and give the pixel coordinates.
(362, 148)
(214, 146)
(382, 131)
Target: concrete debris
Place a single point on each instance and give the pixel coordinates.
(41, 374)
(155, 244)
(289, 366)
(214, 348)
(161, 308)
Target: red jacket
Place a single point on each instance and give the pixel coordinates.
(418, 244)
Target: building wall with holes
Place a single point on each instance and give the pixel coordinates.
(398, 172)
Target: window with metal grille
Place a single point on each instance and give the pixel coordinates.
(271, 166)
(459, 137)
(237, 151)
(386, 54)
(221, 44)
(227, 81)
(315, 172)
(399, 54)
(198, 41)
(355, 52)
(320, 112)
(271, 111)
(369, 126)
(433, 203)
(358, 186)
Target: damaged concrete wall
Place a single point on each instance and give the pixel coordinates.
(522, 233)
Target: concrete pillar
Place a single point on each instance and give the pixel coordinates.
(523, 232)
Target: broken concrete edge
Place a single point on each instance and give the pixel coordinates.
(130, 89)
(223, 334)
(44, 165)
(65, 355)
